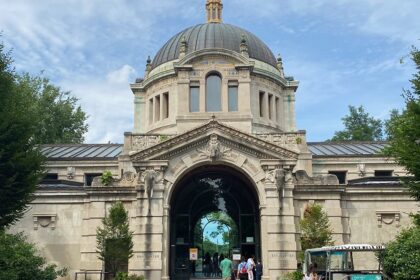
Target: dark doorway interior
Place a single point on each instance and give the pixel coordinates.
(206, 190)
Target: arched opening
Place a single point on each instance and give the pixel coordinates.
(213, 92)
(215, 236)
(214, 209)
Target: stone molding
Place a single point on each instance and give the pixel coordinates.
(388, 217)
(44, 220)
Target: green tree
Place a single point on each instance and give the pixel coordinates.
(315, 227)
(114, 240)
(401, 258)
(58, 118)
(20, 160)
(388, 124)
(359, 126)
(20, 260)
(404, 132)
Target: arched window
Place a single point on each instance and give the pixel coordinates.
(213, 93)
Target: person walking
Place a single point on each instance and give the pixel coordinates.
(226, 268)
(242, 270)
(215, 262)
(250, 264)
(206, 264)
(258, 270)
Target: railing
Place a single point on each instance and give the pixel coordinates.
(85, 273)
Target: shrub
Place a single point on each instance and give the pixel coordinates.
(125, 276)
(106, 178)
(401, 258)
(295, 275)
(19, 259)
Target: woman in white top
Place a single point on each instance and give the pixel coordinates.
(250, 264)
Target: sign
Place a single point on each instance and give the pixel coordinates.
(249, 239)
(236, 257)
(366, 277)
(193, 254)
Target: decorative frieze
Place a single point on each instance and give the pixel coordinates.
(283, 139)
(303, 178)
(141, 142)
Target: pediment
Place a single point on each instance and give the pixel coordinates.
(204, 140)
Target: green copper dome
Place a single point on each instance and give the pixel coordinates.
(211, 36)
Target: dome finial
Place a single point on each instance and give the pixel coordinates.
(214, 11)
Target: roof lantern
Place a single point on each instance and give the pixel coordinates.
(214, 11)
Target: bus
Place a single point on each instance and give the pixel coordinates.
(346, 262)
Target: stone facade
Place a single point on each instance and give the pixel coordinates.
(258, 140)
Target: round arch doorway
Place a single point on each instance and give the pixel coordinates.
(205, 190)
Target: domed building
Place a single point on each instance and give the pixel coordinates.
(214, 132)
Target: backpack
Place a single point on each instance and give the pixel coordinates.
(242, 268)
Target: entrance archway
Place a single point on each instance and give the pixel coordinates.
(205, 190)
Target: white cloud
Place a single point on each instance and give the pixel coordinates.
(392, 19)
(123, 75)
(96, 48)
(108, 101)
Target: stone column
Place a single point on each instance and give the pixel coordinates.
(224, 93)
(139, 113)
(286, 112)
(166, 243)
(273, 108)
(265, 105)
(149, 259)
(183, 92)
(288, 254)
(244, 93)
(278, 223)
(202, 95)
(292, 114)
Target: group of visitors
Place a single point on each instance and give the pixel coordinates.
(248, 269)
(211, 265)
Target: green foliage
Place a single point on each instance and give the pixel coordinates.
(404, 132)
(295, 275)
(163, 138)
(401, 258)
(20, 260)
(315, 227)
(359, 126)
(403, 254)
(20, 160)
(58, 118)
(125, 276)
(106, 178)
(114, 240)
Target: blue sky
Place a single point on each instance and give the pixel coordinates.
(343, 52)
